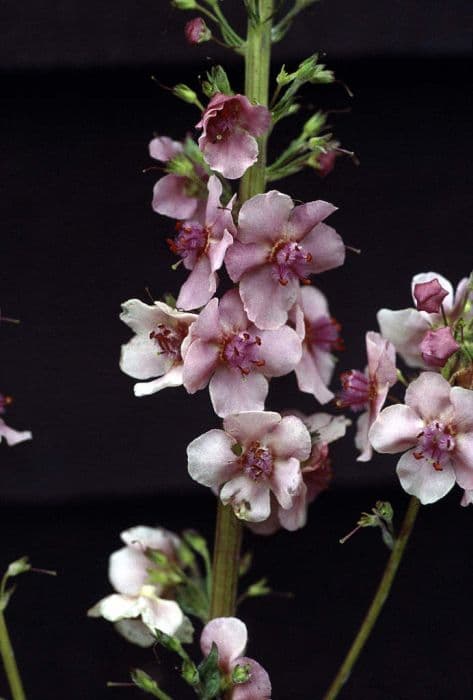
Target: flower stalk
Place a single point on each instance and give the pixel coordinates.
(377, 603)
(9, 662)
(228, 533)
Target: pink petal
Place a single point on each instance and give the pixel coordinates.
(362, 443)
(249, 499)
(199, 287)
(207, 325)
(251, 426)
(211, 461)
(286, 480)
(217, 250)
(290, 438)
(405, 329)
(199, 364)
(396, 429)
(419, 478)
(232, 314)
(232, 392)
(462, 400)
(328, 428)
(140, 358)
(116, 607)
(258, 687)
(295, 517)
(467, 498)
(174, 377)
(230, 636)
(326, 247)
(164, 615)
(429, 397)
(281, 350)
(240, 258)
(463, 459)
(214, 187)
(313, 302)
(128, 570)
(170, 198)
(381, 359)
(256, 287)
(142, 537)
(255, 118)
(163, 148)
(263, 218)
(309, 378)
(423, 277)
(304, 217)
(13, 437)
(141, 317)
(233, 155)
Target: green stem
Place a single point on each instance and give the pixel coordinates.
(228, 529)
(8, 656)
(377, 602)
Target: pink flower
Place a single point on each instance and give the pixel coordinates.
(407, 328)
(436, 428)
(173, 195)
(155, 350)
(429, 295)
(230, 636)
(320, 336)
(12, 437)
(229, 125)
(202, 247)
(197, 31)
(467, 498)
(316, 474)
(257, 453)
(136, 607)
(278, 246)
(325, 162)
(437, 346)
(367, 391)
(224, 348)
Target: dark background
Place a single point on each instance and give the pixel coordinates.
(79, 237)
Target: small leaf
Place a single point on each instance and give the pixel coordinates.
(245, 563)
(210, 675)
(193, 601)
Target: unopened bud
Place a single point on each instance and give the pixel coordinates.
(184, 4)
(429, 296)
(437, 346)
(241, 674)
(196, 31)
(185, 93)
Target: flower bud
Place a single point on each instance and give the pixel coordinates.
(184, 4)
(429, 296)
(185, 93)
(437, 346)
(197, 31)
(240, 674)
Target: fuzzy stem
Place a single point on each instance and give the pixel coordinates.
(228, 529)
(378, 601)
(9, 662)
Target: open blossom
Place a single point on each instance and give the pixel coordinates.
(228, 351)
(12, 437)
(316, 474)
(257, 453)
(136, 607)
(230, 636)
(407, 328)
(435, 426)
(155, 350)
(174, 195)
(367, 391)
(230, 124)
(319, 333)
(202, 247)
(277, 247)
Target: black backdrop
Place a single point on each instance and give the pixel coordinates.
(79, 237)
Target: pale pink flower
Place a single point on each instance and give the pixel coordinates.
(173, 195)
(202, 247)
(224, 348)
(437, 346)
(435, 426)
(467, 498)
(277, 247)
(196, 31)
(407, 328)
(137, 608)
(155, 350)
(428, 296)
(230, 124)
(230, 636)
(316, 474)
(257, 453)
(319, 333)
(12, 437)
(367, 391)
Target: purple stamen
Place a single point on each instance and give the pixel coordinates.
(169, 340)
(435, 443)
(242, 352)
(357, 390)
(290, 261)
(257, 462)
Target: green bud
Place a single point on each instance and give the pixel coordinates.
(143, 681)
(245, 563)
(180, 165)
(240, 674)
(385, 510)
(190, 673)
(170, 300)
(20, 566)
(184, 4)
(170, 643)
(157, 557)
(217, 81)
(314, 125)
(185, 93)
(283, 76)
(196, 541)
(258, 589)
(185, 555)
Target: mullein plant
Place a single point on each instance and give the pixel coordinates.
(265, 468)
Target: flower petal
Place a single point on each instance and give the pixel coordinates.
(258, 687)
(199, 364)
(306, 216)
(462, 400)
(172, 378)
(328, 428)
(249, 499)
(419, 478)
(362, 443)
(281, 351)
(405, 329)
(210, 459)
(160, 614)
(429, 397)
(286, 480)
(232, 314)
(242, 257)
(128, 570)
(142, 537)
(263, 218)
(396, 429)
(233, 392)
(308, 376)
(233, 155)
(170, 198)
(140, 358)
(259, 285)
(163, 148)
(199, 287)
(229, 634)
(116, 607)
(13, 437)
(251, 426)
(290, 438)
(326, 247)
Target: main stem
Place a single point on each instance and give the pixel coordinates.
(228, 531)
(377, 602)
(9, 662)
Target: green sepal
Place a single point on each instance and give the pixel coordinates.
(237, 449)
(240, 674)
(258, 589)
(210, 675)
(184, 4)
(217, 82)
(143, 681)
(193, 600)
(190, 673)
(245, 563)
(17, 567)
(170, 300)
(186, 94)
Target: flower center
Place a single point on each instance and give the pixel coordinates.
(224, 122)
(242, 352)
(434, 444)
(169, 340)
(289, 261)
(4, 402)
(357, 390)
(192, 239)
(324, 333)
(257, 462)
